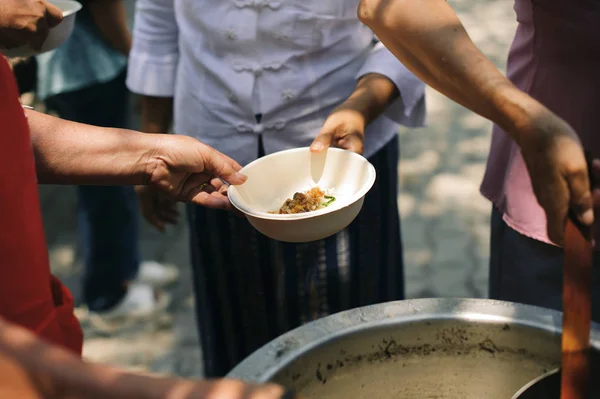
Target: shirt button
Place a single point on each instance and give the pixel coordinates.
(281, 36)
(231, 34)
(232, 97)
(288, 94)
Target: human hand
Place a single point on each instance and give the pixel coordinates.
(26, 22)
(344, 128)
(559, 174)
(234, 389)
(183, 169)
(156, 208)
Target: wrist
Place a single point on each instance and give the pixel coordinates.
(373, 94)
(523, 118)
(148, 151)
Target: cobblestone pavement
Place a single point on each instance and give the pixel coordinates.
(445, 221)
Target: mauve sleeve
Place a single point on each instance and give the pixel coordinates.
(409, 109)
(154, 53)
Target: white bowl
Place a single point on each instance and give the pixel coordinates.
(57, 35)
(274, 178)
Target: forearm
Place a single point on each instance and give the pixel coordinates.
(372, 95)
(73, 153)
(111, 19)
(156, 114)
(428, 37)
(53, 373)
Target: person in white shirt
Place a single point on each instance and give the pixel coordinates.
(252, 77)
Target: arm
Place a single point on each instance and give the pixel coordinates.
(111, 19)
(179, 167)
(371, 97)
(156, 114)
(430, 40)
(31, 368)
(73, 153)
(153, 62)
(407, 105)
(428, 37)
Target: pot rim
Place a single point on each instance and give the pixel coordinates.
(262, 365)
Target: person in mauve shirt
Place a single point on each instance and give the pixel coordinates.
(543, 115)
(40, 338)
(555, 57)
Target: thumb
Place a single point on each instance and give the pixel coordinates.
(322, 142)
(581, 200)
(223, 167)
(54, 15)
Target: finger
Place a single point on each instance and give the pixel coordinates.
(352, 142)
(148, 211)
(224, 167)
(223, 190)
(232, 162)
(166, 204)
(168, 219)
(596, 198)
(54, 15)
(168, 215)
(596, 171)
(40, 35)
(553, 195)
(580, 195)
(205, 199)
(217, 183)
(154, 220)
(322, 142)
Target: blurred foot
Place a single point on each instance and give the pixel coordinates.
(141, 302)
(155, 274)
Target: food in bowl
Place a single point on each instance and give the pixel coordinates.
(274, 178)
(307, 201)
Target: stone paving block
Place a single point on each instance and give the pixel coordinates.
(454, 249)
(449, 280)
(418, 288)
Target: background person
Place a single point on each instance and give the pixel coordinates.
(84, 81)
(251, 80)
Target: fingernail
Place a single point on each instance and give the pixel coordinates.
(588, 217)
(317, 146)
(241, 176)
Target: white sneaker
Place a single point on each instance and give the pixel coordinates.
(140, 302)
(156, 275)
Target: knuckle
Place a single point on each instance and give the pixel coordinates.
(575, 167)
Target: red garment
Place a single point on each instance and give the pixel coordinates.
(29, 295)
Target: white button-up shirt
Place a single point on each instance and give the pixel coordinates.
(292, 61)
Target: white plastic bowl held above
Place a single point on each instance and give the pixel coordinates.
(272, 179)
(57, 35)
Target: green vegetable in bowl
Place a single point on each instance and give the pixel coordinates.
(329, 200)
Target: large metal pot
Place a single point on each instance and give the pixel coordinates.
(425, 348)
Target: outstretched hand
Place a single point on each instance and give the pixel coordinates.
(182, 169)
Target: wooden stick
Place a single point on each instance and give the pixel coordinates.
(578, 254)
